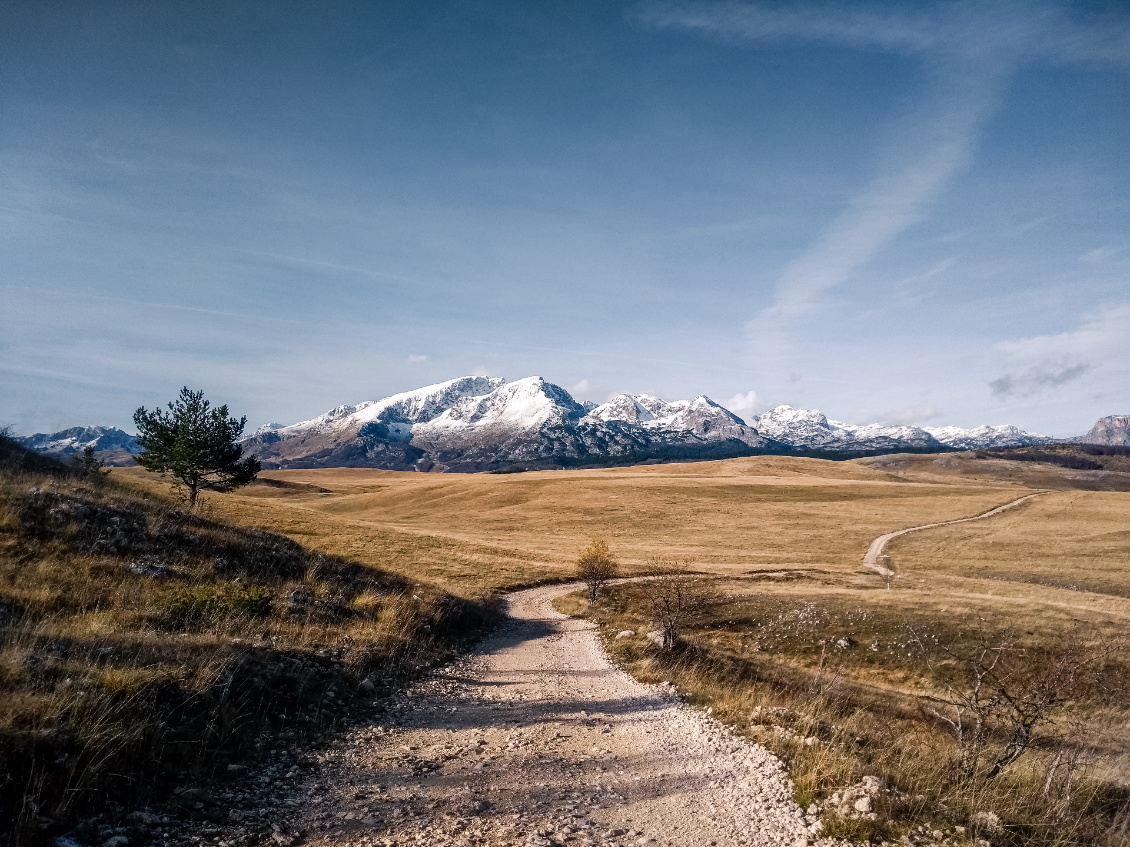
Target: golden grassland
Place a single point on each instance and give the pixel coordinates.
(143, 647)
(782, 540)
(499, 531)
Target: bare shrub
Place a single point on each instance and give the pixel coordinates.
(1005, 691)
(596, 566)
(673, 596)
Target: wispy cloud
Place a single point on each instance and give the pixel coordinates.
(969, 50)
(1036, 379)
(1047, 362)
(414, 358)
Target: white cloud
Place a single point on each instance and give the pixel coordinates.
(1046, 362)
(414, 358)
(745, 406)
(1104, 334)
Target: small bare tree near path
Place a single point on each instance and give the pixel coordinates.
(674, 596)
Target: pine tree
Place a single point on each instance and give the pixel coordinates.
(195, 444)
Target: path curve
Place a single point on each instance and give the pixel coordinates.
(871, 558)
(537, 739)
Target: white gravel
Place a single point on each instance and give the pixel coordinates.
(537, 739)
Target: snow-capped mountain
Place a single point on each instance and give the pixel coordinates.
(68, 442)
(810, 431)
(480, 423)
(702, 416)
(986, 437)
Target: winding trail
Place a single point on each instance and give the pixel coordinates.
(871, 558)
(537, 739)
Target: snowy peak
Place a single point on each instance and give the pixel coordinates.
(527, 403)
(985, 437)
(810, 429)
(68, 442)
(623, 407)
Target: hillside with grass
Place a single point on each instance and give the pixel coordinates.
(146, 651)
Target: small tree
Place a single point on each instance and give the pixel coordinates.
(88, 466)
(596, 566)
(195, 444)
(673, 595)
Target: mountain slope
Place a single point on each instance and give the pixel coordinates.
(1111, 431)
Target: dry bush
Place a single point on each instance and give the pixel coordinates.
(596, 566)
(673, 595)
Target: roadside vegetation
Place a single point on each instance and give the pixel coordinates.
(904, 711)
(145, 648)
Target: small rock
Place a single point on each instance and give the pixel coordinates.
(871, 784)
(235, 815)
(116, 841)
(149, 566)
(987, 823)
(845, 643)
(627, 633)
(863, 804)
(366, 687)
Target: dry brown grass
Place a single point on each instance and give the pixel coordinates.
(115, 686)
(504, 531)
(783, 537)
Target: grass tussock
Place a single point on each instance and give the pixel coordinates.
(143, 647)
(846, 685)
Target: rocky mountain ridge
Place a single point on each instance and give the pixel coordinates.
(482, 423)
(478, 423)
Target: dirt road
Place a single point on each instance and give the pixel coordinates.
(536, 739)
(871, 557)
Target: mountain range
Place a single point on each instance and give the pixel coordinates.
(478, 423)
(483, 423)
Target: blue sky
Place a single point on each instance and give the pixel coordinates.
(904, 213)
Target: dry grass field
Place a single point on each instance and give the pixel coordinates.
(781, 541)
(500, 531)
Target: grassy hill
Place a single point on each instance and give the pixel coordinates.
(143, 648)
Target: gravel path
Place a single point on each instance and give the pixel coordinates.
(537, 739)
(871, 557)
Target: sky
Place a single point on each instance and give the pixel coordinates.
(892, 212)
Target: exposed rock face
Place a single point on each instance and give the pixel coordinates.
(1111, 431)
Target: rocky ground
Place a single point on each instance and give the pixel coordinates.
(535, 739)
